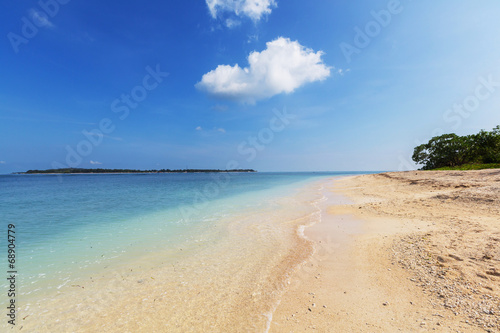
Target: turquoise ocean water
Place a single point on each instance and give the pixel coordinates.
(72, 225)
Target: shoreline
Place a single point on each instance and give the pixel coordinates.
(231, 280)
(364, 253)
(382, 261)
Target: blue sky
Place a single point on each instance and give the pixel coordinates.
(270, 85)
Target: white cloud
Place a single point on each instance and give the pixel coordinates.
(116, 138)
(221, 130)
(253, 38)
(95, 162)
(254, 9)
(282, 67)
(230, 23)
(40, 18)
(341, 71)
(199, 128)
(3, 162)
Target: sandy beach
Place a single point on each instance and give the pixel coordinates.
(412, 252)
(395, 252)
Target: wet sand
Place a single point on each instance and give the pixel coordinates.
(411, 252)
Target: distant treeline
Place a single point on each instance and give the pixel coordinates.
(82, 170)
(451, 150)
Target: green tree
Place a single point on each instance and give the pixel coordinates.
(440, 151)
(450, 150)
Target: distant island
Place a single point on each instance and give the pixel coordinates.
(100, 171)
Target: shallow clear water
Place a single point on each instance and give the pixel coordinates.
(75, 226)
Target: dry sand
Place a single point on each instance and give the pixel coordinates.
(411, 252)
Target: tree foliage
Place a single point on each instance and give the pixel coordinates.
(451, 150)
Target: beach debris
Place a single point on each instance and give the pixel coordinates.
(432, 272)
(385, 303)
